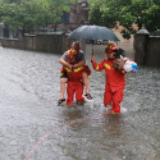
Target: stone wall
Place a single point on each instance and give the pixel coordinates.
(51, 43)
(153, 51)
(147, 48)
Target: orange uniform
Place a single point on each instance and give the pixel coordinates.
(115, 83)
(75, 82)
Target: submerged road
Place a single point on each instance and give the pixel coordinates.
(33, 127)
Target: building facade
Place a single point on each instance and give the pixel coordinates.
(77, 16)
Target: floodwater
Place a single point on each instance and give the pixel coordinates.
(33, 127)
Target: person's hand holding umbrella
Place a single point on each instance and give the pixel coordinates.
(93, 59)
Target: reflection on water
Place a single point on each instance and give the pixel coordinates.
(30, 90)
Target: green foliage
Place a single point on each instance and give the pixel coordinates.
(144, 13)
(31, 14)
(100, 14)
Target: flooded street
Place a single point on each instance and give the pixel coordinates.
(33, 127)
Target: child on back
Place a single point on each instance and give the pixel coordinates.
(75, 84)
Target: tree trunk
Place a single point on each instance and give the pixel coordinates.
(55, 27)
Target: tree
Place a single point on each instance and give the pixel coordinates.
(19, 14)
(31, 14)
(54, 9)
(144, 13)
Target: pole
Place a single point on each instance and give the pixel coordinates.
(92, 47)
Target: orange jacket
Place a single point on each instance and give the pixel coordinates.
(75, 74)
(114, 78)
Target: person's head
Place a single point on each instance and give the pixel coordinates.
(76, 46)
(111, 51)
(71, 55)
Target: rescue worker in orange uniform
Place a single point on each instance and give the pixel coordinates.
(115, 79)
(75, 84)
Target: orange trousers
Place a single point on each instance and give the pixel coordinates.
(74, 87)
(113, 97)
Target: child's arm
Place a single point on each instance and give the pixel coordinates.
(79, 64)
(65, 63)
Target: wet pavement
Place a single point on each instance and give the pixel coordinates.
(33, 127)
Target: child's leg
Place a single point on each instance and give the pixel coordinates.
(70, 93)
(86, 81)
(117, 98)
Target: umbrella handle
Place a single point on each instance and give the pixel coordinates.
(92, 47)
(92, 55)
(92, 50)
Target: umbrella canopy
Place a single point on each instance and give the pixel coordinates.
(93, 32)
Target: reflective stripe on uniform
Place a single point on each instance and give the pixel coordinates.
(68, 70)
(78, 69)
(107, 66)
(97, 68)
(111, 46)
